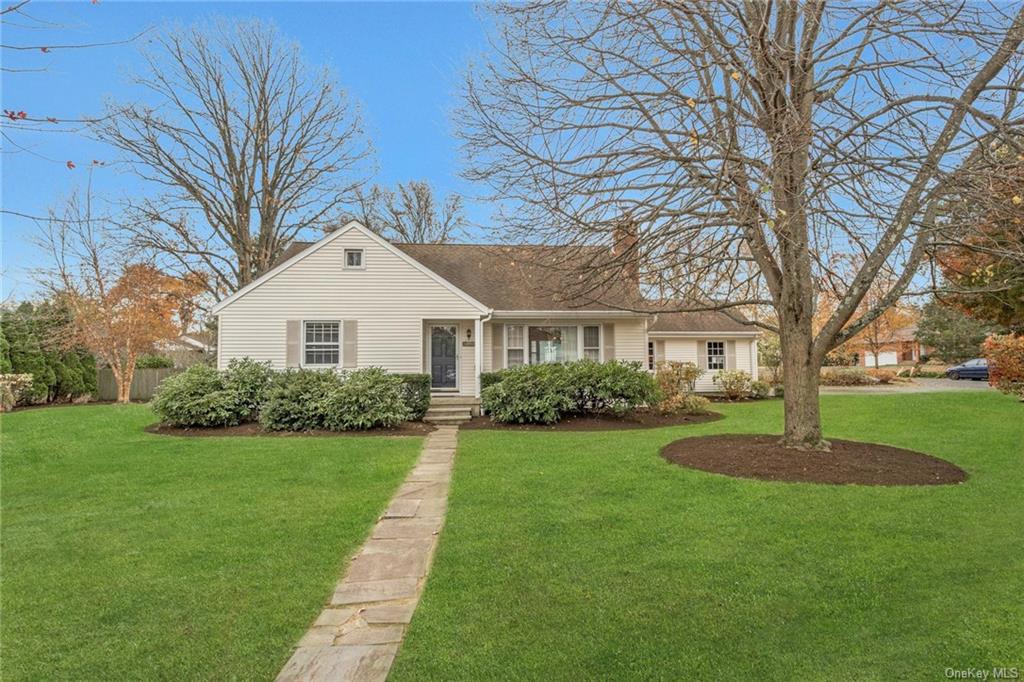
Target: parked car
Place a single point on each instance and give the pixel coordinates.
(976, 369)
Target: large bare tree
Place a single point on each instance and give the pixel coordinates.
(411, 214)
(753, 147)
(248, 145)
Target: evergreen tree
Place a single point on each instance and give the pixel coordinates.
(954, 336)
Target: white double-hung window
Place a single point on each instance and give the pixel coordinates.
(321, 344)
(515, 345)
(716, 354)
(592, 343)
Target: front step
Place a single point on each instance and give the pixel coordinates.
(451, 410)
(449, 420)
(437, 400)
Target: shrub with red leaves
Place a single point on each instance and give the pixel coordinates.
(1006, 363)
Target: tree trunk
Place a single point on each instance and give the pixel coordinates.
(801, 377)
(123, 378)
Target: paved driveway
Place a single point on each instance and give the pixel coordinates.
(918, 386)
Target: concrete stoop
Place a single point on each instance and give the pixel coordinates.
(451, 410)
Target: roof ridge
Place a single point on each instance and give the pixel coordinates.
(510, 246)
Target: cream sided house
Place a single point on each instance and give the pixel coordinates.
(452, 311)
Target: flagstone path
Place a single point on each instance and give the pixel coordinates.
(358, 633)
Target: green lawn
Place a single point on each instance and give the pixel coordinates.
(569, 556)
(127, 555)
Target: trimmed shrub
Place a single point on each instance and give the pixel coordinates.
(12, 386)
(840, 357)
(1005, 356)
(759, 390)
(543, 394)
(616, 386)
(779, 390)
(882, 376)
(845, 376)
(296, 400)
(366, 399)
(735, 383)
(531, 394)
(149, 361)
(675, 377)
(488, 379)
(249, 381)
(417, 394)
(196, 397)
(675, 381)
(684, 403)
(694, 404)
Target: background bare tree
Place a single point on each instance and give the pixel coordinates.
(746, 143)
(249, 145)
(411, 214)
(119, 305)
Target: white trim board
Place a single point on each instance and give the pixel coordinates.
(703, 335)
(348, 227)
(566, 314)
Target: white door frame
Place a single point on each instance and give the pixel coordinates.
(430, 356)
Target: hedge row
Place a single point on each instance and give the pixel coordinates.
(293, 400)
(544, 394)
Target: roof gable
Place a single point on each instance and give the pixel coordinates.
(302, 250)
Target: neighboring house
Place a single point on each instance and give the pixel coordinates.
(453, 311)
(188, 349)
(902, 348)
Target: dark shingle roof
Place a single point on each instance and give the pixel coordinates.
(542, 278)
(516, 277)
(709, 321)
(292, 250)
(523, 277)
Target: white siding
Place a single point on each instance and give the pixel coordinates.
(467, 359)
(488, 346)
(390, 298)
(631, 340)
(686, 350)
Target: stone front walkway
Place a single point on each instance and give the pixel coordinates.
(358, 633)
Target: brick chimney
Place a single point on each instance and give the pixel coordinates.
(626, 251)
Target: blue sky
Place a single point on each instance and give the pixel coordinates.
(403, 62)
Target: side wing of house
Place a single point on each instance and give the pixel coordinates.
(350, 301)
(711, 352)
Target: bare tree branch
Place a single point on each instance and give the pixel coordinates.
(411, 213)
(248, 146)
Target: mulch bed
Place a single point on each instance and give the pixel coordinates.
(255, 430)
(599, 422)
(849, 462)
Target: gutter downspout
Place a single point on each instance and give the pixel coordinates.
(478, 333)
